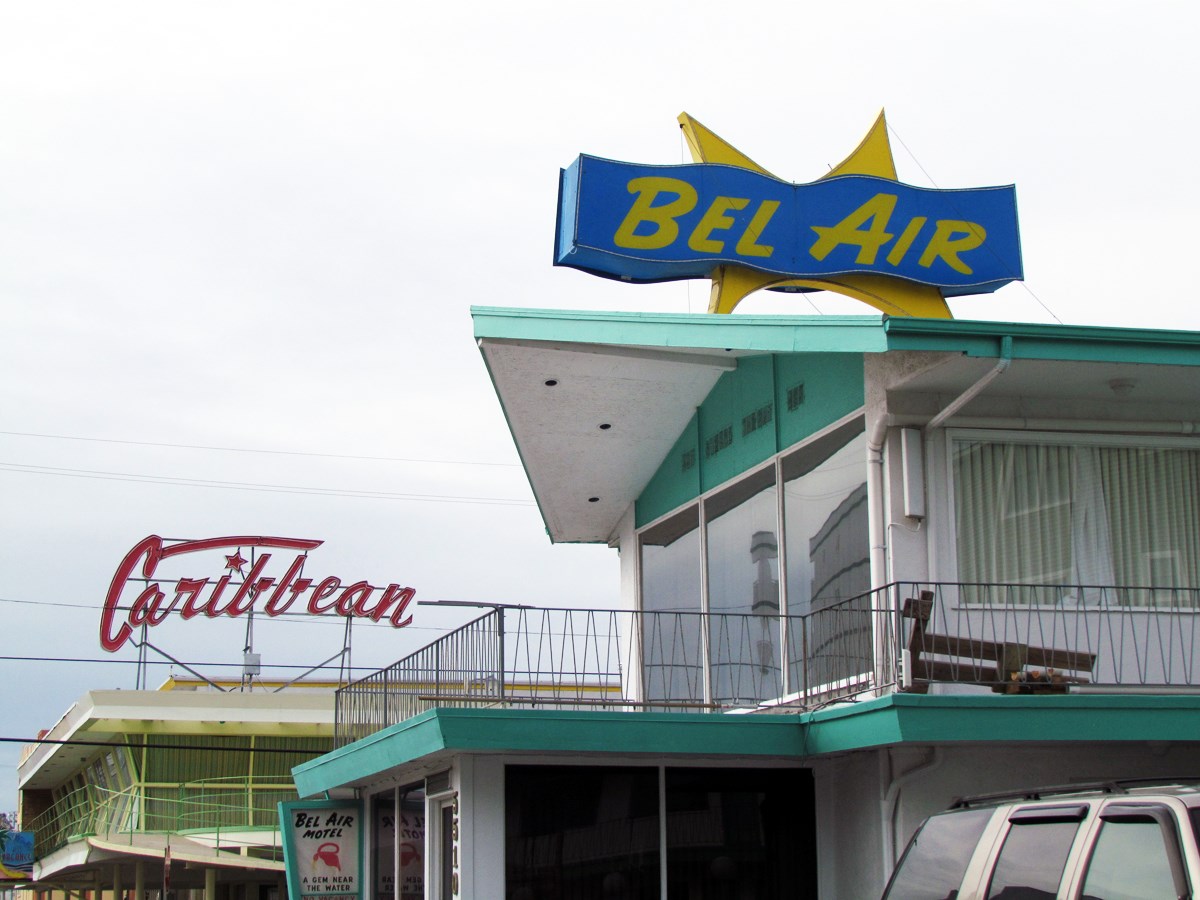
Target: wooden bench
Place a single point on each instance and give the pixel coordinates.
(1015, 668)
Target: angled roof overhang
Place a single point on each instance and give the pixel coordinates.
(435, 737)
(561, 377)
(106, 716)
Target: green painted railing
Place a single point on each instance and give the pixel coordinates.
(215, 808)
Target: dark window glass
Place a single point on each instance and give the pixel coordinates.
(410, 832)
(449, 887)
(936, 860)
(1129, 862)
(1031, 861)
(734, 833)
(383, 844)
(581, 832)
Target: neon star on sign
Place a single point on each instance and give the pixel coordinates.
(857, 231)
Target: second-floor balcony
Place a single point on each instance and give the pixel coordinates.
(233, 814)
(940, 637)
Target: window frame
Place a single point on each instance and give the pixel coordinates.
(794, 461)
(944, 541)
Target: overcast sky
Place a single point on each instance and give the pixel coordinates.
(259, 226)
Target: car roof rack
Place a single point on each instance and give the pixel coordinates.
(1109, 786)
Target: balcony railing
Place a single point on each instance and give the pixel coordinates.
(904, 636)
(217, 811)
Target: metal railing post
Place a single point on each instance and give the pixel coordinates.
(804, 656)
(500, 661)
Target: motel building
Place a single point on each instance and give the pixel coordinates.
(133, 793)
(869, 564)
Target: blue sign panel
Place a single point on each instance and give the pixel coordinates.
(662, 223)
(16, 855)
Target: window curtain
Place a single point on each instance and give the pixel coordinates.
(1079, 515)
(1154, 499)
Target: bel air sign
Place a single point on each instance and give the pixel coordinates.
(661, 223)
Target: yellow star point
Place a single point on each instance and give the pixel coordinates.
(873, 156)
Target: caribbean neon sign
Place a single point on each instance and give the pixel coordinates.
(662, 223)
(239, 590)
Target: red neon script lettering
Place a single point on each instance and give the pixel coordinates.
(196, 596)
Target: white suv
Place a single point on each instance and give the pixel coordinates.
(1114, 841)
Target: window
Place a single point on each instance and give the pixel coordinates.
(713, 580)
(828, 560)
(1034, 855)
(1130, 861)
(581, 832)
(671, 597)
(743, 590)
(734, 833)
(937, 857)
(1048, 510)
(411, 836)
(595, 832)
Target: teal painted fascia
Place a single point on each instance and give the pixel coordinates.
(412, 739)
(896, 719)
(786, 334)
(551, 732)
(844, 334)
(948, 719)
(1081, 343)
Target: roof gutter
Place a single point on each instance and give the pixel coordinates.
(1002, 364)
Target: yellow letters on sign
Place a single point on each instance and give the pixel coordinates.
(944, 245)
(877, 211)
(950, 237)
(661, 217)
(702, 240)
(714, 219)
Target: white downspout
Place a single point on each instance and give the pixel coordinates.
(891, 803)
(877, 535)
(875, 505)
(970, 393)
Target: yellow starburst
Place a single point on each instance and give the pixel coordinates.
(873, 156)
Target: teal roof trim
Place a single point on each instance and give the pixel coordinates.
(934, 719)
(782, 334)
(551, 731)
(1030, 341)
(845, 334)
(881, 722)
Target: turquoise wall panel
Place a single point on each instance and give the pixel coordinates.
(677, 480)
(767, 404)
(729, 441)
(814, 390)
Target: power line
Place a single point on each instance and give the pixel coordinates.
(206, 748)
(159, 662)
(438, 462)
(177, 481)
(292, 618)
(929, 178)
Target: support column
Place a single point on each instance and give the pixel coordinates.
(118, 888)
(139, 880)
(210, 884)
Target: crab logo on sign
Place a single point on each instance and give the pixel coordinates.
(196, 596)
(327, 856)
